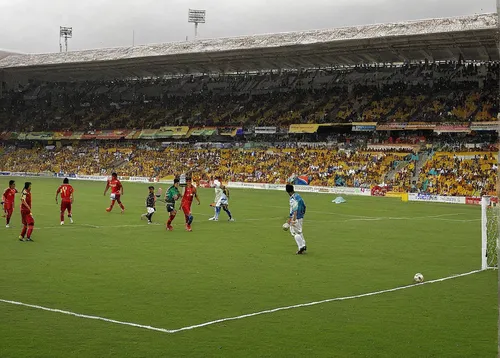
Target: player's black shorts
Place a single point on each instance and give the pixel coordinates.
(170, 207)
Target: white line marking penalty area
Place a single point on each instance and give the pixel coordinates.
(234, 318)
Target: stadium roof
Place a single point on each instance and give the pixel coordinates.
(5, 53)
(469, 37)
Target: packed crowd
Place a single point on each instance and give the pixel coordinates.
(447, 173)
(272, 165)
(462, 174)
(421, 93)
(67, 160)
(403, 179)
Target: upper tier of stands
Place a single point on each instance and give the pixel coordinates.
(451, 92)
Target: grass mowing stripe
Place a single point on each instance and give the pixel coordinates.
(209, 323)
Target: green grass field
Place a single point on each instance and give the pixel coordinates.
(117, 267)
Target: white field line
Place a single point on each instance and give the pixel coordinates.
(140, 225)
(234, 318)
(357, 216)
(432, 217)
(382, 219)
(94, 226)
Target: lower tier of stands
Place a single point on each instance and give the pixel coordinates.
(445, 173)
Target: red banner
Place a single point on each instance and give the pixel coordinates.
(452, 128)
(204, 184)
(379, 190)
(475, 200)
(472, 200)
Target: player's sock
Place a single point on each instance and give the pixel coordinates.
(228, 213)
(111, 206)
(8, 220)
(190, 220)
(30, 231)
(23, 231)
(217, 212)
(62, 216)
(298, 240)
(121, 206)
(172, 217)
(70, 216)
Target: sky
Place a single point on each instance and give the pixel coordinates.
(32, 26)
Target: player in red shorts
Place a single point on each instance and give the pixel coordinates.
(8, 201)
(66, 192)
(26, 214)
(187, 200)
(116, 192)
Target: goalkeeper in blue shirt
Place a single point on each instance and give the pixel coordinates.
(296, 219)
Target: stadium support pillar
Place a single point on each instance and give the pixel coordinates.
(2, 80)
(498, 177)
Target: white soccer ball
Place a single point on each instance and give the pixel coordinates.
(286, 226)
(418, 278)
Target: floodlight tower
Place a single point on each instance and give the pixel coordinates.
(196, 17)
(67, 33)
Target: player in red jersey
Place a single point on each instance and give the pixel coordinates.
(8, 201)
(116, 192)
(26, 214)
(187, 200)
(66, 192)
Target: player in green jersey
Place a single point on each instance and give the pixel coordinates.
(171, 196)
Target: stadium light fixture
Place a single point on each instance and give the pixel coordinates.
(196, 17)
(66, 33)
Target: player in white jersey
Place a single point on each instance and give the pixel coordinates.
(221, 200)
(218, 194)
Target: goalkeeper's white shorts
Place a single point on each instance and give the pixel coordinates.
(296, 228)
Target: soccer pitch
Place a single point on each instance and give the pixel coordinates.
(117, 267)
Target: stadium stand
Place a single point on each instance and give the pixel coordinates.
(462, 174)
(345, 109)
(259, 100)
(466, 173)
